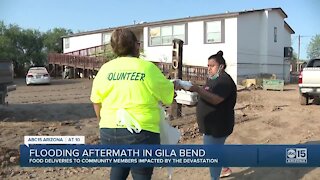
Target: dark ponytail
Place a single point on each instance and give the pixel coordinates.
(218, 58)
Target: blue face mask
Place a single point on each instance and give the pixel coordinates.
(216, 75)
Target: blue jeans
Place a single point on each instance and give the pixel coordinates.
(123, 136)
(210, 140)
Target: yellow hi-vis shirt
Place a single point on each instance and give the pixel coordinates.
(135, 85)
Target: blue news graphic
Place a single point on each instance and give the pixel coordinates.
(170, 155)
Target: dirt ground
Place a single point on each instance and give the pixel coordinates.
(64, 108)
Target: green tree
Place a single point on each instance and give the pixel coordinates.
(4, 42)
(11, 46)
(53, 40)
(23, 46)
(33, 47)
(314, 47)
(108, 53)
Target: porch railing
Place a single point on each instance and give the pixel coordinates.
(83, 62)
(196, 74)
(92, 51)
(193, 73)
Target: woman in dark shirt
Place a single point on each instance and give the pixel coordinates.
(215, 109)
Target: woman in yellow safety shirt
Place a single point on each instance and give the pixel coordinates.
(125, 95)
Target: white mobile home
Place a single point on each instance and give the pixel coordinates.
(254, 41)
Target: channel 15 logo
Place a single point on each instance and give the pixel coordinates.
(296, 155)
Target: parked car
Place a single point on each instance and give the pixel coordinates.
(309, 81)
(38, 75)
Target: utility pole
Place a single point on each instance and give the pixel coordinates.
(176, 73)
(299, 47)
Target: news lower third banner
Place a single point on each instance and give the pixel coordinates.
(81, 155)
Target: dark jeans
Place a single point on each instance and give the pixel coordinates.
(123, 136)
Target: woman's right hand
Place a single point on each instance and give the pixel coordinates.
(194, 88)
(186, 85)
(179, 84)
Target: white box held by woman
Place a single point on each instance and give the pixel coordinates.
(186, 97)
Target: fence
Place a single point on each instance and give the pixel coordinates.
(92, 51)
(196, 74)
(83, 62)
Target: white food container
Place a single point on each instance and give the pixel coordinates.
(186, 97)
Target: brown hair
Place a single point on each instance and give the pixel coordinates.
(123, 42)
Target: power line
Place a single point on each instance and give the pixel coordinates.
(303, 36)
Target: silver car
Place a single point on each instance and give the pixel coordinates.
(38, 75)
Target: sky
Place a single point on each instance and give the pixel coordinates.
(86, 15)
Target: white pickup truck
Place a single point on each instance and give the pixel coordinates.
(309, 81)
